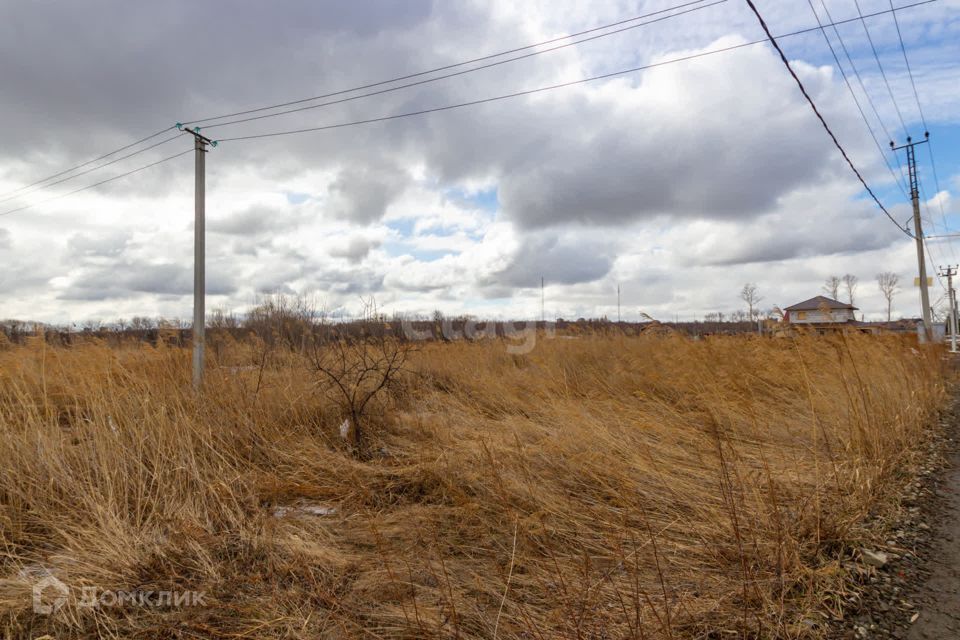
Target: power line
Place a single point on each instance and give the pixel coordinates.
(89, 162)
(929, 255)
(883, 74)
(923, 121)
(162, 131)
(823, 122)
(92, 169)
(856, 101)
(943, 215)
(9, 195)
(556, 86)
(97, 184)
(459, 73)
(360, 122)
(936, 183)
(913, 84)
(863, 88)
(930, 220)
(933, 265)
(442, 68)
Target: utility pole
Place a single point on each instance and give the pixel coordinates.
(618, 303)
(918, 229)
(199, 254)
(543, 313)
(949, 272)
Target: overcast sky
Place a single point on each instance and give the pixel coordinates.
(680, 183)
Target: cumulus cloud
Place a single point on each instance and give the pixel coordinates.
(130, 278)
(102, 245)
(355, 249)
(362, 194)
(559, 260)
(249, 222)
(677, 182)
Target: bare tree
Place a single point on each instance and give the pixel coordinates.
(751, 295)
(832, 287)
(888, 283)
(850, 285)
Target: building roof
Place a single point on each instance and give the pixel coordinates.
(816, 302)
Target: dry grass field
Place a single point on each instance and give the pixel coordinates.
(598, 487)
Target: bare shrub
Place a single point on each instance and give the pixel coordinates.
(356, 368)
(284, 320)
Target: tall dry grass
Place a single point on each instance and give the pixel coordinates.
(594, 488)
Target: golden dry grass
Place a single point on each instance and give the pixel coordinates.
(599, 487)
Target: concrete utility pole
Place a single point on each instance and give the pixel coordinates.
(918, 230)
(199, 255)
(949, 272)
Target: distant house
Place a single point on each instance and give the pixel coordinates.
(820, 310)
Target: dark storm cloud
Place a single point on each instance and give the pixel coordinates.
(785, 236)
(32, 273)
(124, 279)
(249, 222)
(558, 260)
(727, 138)
(561, 157)
(80, 77)
(355, 249)
(105, 245)
(275, 276)
(774, 245)
(257, 220)
(359, 281)
(362, 194)
(611, 180)
(704, 142)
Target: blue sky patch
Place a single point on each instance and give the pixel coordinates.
(487, 199)
(403, 226)
(294, 197)
(396, 249)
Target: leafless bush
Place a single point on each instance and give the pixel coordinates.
(355, 368)
(284, 320)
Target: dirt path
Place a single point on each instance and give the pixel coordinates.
(938, 597)
(911, 588)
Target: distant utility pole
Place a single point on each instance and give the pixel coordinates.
(199, 255)
(949, 272)
(918, 229)
(618, 303)
(543, 313)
